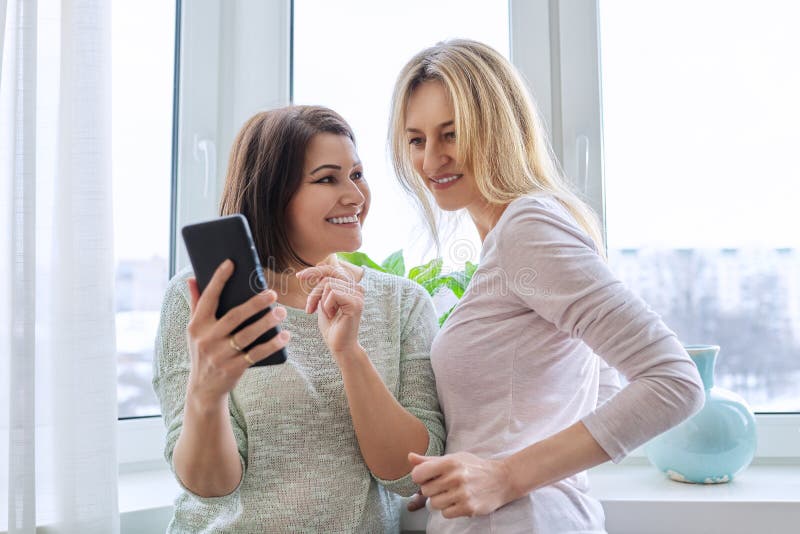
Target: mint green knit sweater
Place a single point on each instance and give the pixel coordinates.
(303, 471)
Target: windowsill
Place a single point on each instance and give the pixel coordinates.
(636, 497)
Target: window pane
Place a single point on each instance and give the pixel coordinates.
(700, 115)
(143, 36)
(347, 56)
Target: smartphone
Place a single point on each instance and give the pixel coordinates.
(212, 242)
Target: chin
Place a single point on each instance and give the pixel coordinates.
(350, 246)
(449, 204)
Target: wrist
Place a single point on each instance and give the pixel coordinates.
(351, 354)
(516, 487)
(348, 353)
(203, 402)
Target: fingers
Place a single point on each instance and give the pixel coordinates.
(194, 293)
(209, 300)
(417, 502)
(313, 275)
(331, 298)
(439, 485)
(251, 332)
(348, 298)
(345, 292)
(314, 297)
(445, 499)
(264, 350)
(236, 316)
(460, 509)
(430, 469)
(415, 459)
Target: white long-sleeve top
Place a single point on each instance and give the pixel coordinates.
(516, 362)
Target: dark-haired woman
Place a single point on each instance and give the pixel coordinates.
(320, 443)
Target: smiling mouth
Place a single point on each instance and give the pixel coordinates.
(343, 220)
(446, 179)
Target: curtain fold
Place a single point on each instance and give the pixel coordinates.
(57, 345)
(3, 10)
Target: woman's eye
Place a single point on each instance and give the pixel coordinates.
(450, 136)
(415, 141)
(325, 180)
(357, 176)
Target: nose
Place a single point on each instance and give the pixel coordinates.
(352, 195)
(435, 158)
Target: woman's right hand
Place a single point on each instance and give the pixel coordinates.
(216, 366)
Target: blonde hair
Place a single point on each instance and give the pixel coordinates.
(499, 135)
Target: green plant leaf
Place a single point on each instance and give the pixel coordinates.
(360, 259)
(457, 283)
(469, 270)
(424, 273)
(445, 315)
(434, 284)
(395, 263)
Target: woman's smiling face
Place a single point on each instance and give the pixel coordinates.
(326, 213)
(430, 130)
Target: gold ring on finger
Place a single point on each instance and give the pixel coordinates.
(233, 345)
(246, 356)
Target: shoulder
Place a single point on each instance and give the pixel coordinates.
(175, 316)
(532, 209)
(539, 218)
(177, 293)
(404, 305)
(177, 284)
(387, 286)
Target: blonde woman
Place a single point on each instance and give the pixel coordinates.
(321, 442)
(516, 364)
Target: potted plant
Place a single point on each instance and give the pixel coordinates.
(429, 275)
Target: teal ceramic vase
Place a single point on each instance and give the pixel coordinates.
(715, 444)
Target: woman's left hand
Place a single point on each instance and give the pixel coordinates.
(461, 484)
(339, 301)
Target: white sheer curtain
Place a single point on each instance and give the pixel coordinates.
(58, 406)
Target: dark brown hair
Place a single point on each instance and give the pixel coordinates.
(265, 170)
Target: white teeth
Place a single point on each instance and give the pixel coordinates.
(448, 179)
(344, 220)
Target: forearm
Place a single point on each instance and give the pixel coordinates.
(206, 457)
(561, 455)
(386, 431)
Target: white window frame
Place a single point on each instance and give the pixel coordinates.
(234, 60)
(555, 44)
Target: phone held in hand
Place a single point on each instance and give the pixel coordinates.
(212, 242)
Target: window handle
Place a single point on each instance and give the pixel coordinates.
(206, 151)
(582, 156)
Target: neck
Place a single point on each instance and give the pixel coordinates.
(485, 216)
(290, 291)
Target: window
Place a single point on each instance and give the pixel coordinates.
(235, 61)
(347, 56)
(143, 36)
(700, 117)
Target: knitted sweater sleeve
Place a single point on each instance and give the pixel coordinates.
(417, 388)
(171, 366)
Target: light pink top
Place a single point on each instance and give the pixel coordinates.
(515, 363)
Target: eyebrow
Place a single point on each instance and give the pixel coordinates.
(334, 167)
(327, 166)
(442, 125)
